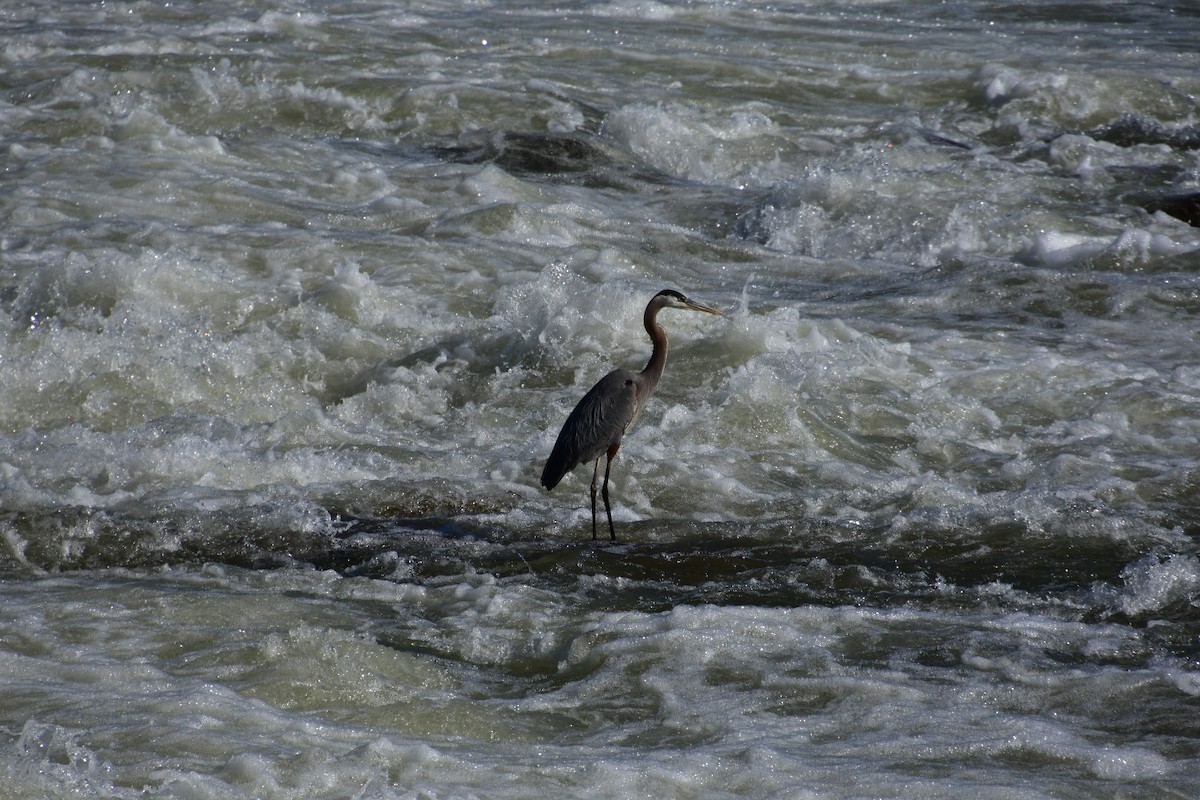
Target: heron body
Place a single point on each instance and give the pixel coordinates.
(599, 422)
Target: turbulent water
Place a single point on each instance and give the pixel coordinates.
(295, 297)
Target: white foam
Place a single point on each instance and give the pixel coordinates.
(1154, 583)
(635, 9)
(247, 280)
(688, 142)
(1130, 246)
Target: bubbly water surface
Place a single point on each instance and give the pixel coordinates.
(294, 298)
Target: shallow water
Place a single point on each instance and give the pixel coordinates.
(295, 299)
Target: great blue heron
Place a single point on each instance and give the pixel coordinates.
(610, 408)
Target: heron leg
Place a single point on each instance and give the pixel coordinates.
(595, 474)
(612, 532)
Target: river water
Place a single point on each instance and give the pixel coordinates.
(294, 298)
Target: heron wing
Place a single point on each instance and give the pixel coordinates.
(596, 424)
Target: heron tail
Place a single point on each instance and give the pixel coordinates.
(556, 467)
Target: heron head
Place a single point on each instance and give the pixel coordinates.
(669, 298)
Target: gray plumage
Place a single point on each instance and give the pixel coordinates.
(599, 422)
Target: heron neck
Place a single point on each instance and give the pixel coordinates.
(658, 356)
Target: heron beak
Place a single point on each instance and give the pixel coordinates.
(692, 304)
